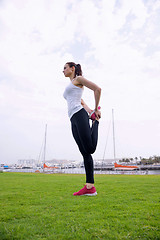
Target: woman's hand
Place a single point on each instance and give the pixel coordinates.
(98, 114)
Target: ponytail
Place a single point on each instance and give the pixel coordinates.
(78, 70)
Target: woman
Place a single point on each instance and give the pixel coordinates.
(78, 112)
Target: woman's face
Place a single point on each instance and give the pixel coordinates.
(67, 70)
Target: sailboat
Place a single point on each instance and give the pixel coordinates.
(44, 156)
(116, 165)
(46, 168)
(49, 167)
(124, 167)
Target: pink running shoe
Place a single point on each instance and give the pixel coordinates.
(92, 114)
(85, 191)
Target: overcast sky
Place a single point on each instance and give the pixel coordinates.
(117, 42)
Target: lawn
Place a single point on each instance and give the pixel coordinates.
(41, 206)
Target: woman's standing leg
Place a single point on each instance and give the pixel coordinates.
(88, 160)
(86, 139)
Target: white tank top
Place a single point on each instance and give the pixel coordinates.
(73, 96)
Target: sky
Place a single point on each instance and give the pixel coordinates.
(117, 43)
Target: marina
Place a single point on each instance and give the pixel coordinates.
(130, 166)
(80, 170)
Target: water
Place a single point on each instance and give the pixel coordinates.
(82, 171)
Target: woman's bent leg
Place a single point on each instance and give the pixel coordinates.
(94, 133)
(88, 136)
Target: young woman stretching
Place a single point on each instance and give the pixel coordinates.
(85, 136)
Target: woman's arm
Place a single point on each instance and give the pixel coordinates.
(97, 92)
(86, 106)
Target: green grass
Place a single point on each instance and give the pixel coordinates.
(41, 206)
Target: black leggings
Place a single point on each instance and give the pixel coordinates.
(86, 139)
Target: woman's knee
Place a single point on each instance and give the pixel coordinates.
(89, 149)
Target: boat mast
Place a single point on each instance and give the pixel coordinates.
(44, 156)
(114, 147)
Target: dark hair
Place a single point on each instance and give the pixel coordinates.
(78, 70)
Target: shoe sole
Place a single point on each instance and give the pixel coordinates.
(90, 194)
(93, 118)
